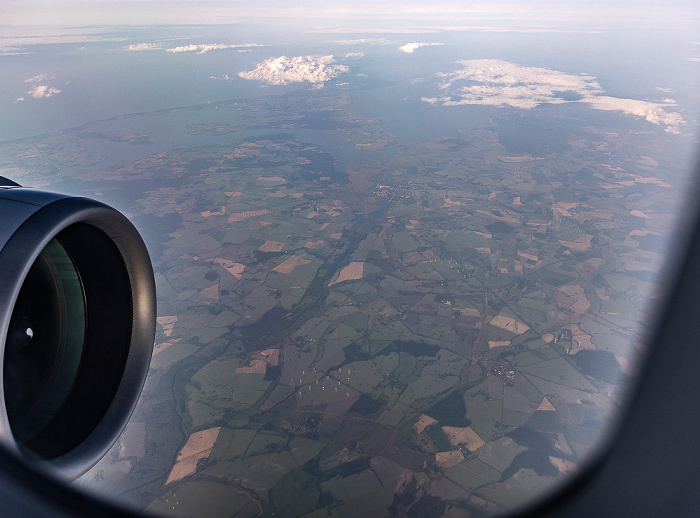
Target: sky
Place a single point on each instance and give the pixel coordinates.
(496, 53)
(133, 12)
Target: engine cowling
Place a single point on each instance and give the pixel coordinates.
(77, 324)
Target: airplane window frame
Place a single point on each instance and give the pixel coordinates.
(649, 465)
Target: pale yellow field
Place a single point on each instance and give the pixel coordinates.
(579, 244)
(269, 356)
(573, 297)
(351, 272)
(465, 435)
(271, 246)
(627, 366)
(509, 324)
(447, 459)
(168, 323)
(240, 216)
(198, 447)
(255, 367)
(528, 256)
(580, 340)
(314, 244)
(212, 292)
(208, 213)
(423, 422)
(639, 214)
(546, 406)
(235, 269)
(565, 467)
(291, 263)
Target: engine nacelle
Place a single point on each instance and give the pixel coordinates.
(77, 324)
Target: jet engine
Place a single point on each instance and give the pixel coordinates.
(77, 324)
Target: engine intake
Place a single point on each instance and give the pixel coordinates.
(77, 323)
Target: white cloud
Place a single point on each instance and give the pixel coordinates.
(283, 70)
(16, 39)
(12, 51)
(374, 30)
(495, 82)
(351, 55)
(409, 48)
(652, 112)
(360, 41)
(224, 77)
(43, 91)
(19, 100)
(509, 29)
(143, 46)
(202, 48)
(36, 79)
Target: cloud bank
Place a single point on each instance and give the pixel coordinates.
(36, 79)
(43, 91)
(500, 83)
(223, 77)
(39, 91)
(362, 41)
(410, 48)
(515, 29)
(12, 51)
(206, 47)
(283, 70)
(143, 46)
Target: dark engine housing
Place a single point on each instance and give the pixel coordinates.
(77, 324)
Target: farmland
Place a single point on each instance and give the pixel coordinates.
(437, 328)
